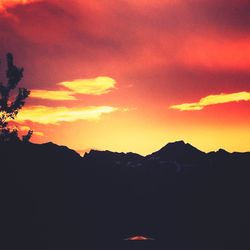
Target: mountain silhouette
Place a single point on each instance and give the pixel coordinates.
(183, 198)
(112, 157)
(179, 151)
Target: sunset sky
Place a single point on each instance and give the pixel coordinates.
(132, 75)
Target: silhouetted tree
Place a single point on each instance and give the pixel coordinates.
(26, 138)
(9, 106)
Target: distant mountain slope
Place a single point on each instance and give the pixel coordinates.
(41, 151)
(112, 156)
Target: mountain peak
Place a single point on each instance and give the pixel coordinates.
(179, 145)
(179, 151)
(178, 142)
(222, 151)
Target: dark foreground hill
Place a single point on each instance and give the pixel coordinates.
(183, 198)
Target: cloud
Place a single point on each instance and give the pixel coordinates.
(27, 128)
(93, 86)
(212, 100)
(24, 129)
(56, 115)
(52, 94)
(116, 41)
(5, 4)
(222, 15)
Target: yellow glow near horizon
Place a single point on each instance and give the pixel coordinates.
(212, 100)
(145, 138)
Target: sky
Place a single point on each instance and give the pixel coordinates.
(132, 75)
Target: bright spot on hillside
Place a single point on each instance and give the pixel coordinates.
(139, 238)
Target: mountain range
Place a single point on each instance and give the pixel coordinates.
(52, 198)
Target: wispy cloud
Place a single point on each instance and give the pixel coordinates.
(24, 129)
(57, 115)
(61, 95)
(5, 4)
(92, 86)
(27, 128)
(213, 100)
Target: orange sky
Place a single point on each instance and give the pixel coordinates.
(128, 75)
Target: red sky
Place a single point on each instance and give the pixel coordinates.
(132, 75)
